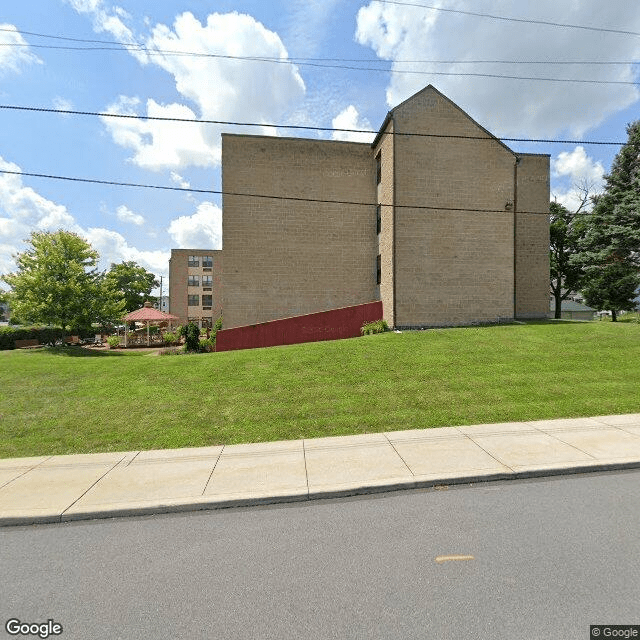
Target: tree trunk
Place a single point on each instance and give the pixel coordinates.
(558, 296)
(614, 315)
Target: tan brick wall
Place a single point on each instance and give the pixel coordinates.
(179, 290)
(385, 196)
(452, 266)
(286, 257)
(532, 237)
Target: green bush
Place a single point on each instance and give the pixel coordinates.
(170, 338)
(217, 326)
(379, 326)
(191, 333)
(44, 335)
(207, 345)
(113, 341)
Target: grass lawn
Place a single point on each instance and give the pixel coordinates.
(74, 400)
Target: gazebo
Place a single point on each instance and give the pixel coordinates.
(147, 314)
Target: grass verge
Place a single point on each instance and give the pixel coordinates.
(72, 400)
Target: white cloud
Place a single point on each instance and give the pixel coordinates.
(349, 118)
(126, 215)
(62, 103)
(108, 20)
(571, 172)
(213, 88)
(114, 248)
(180, 181)
(14, 49)
(202, 230)
(23, 210)
(158, 144)
(578, 166)
(511, 107)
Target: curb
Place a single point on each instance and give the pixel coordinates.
(363, 489)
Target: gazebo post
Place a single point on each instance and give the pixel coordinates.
(148, 343)
(126, 333)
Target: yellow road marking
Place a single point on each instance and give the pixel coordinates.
(441, 559)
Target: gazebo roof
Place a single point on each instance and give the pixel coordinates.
(148, 313)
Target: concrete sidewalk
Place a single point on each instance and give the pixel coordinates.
(75, 487)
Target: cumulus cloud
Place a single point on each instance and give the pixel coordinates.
(23, 210)
(114, 248)
(349, 118)
(14, 49)
(510, 107)
(159, 144)
(126, 215)
(573, 171)
(213, 88)
(202, 230)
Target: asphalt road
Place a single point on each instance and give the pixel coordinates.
(549, 558)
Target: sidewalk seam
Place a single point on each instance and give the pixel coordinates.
(206, 484)
(487, 452)
(108, 471)
(399, 456)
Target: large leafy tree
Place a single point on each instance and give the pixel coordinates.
(565, 231)
(610, 248)
(57, 283)
(133, 282)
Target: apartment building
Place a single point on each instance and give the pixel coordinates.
(437, 218)
(195, 285)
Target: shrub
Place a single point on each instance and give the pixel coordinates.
(191, 335)
(170, 338)
(379, 326)
(207, 345)
(44, 335)
(217, 326)
(113, 341)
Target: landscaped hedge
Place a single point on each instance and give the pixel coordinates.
(44, 335)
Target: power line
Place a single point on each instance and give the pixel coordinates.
(256, 195)
(123, 47)
(547, 23)
(299, 62)
(295, 126)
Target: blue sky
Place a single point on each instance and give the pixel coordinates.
(407, 44)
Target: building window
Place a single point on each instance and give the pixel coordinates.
(194, 261)
(378, 219)
(194, 281)
(207, 261)
(207, 282)
(378, 269)
(378, 168)
(207, 301)
(193, 301)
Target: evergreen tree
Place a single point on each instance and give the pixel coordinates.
(610, 250)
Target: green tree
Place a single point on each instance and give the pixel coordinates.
(57, 283)
(133, 282)
(565, 231)
(610, 249)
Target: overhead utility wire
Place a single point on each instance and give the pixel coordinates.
(297, 62)
(297, 126)
(123, 47)
(547, 23)
(259, 195)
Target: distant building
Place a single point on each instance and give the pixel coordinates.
(195, 285)
(572, 310)
(437, 218)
